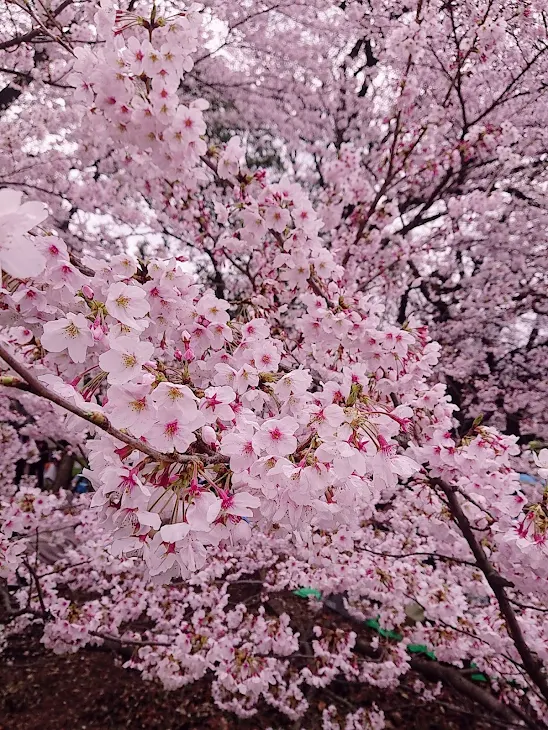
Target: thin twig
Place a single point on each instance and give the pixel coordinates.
(435, 556)
(38, 588)
(129, 642)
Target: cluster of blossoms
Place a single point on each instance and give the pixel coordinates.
(220, 432)
(226, 426)
(195, 626)
(207, 438)
(134, 86)
(234, 431)
(359, 720)
(185, 630)
(24, 421)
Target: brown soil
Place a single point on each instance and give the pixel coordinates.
(91, 691)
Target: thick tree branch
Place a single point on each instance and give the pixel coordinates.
(531, 664)
(450, 676)
(33, 385)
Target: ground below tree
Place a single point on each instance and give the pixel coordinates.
(91, 690)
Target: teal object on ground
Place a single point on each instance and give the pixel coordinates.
(478, 676)
(373, 623)
(306, 592)
(421, 649)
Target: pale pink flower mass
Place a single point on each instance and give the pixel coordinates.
(235, 338)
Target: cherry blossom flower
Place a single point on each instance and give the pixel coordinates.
(216, 403)
(172, 396)
(70, 333)
(275, 436)
(124, 360)
(172, 433)
(213, 309)
(127, 303)
(239, 446)
(131, 407)
(541, 460)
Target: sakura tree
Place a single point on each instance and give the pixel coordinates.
(422, 123)
(243, 402)
(442, 207)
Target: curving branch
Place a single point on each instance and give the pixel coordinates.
(31, 35)
(31, 384)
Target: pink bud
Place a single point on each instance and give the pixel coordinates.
(98, 330)
(194, 487)
(178, 355)
(188, 355)
(87, 291)
(208, 436)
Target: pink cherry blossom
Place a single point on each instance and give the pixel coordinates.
(70, 333)
(124, 360)
(126, 303)
(216, 403)
(172, 433)
(276, 436)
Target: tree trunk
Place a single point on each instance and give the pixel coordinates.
(64, 473)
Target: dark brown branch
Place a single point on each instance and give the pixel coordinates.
(434, 556)
(41, 601)
(128, 642)
(450, 676)
(36, 32)
(531, 664)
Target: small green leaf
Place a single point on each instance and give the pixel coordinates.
(372, 623)
(478, 421)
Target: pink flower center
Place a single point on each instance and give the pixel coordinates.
(171, 429)
(213, 401)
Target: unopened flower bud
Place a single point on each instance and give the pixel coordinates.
(98, 330)
(208, 436)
